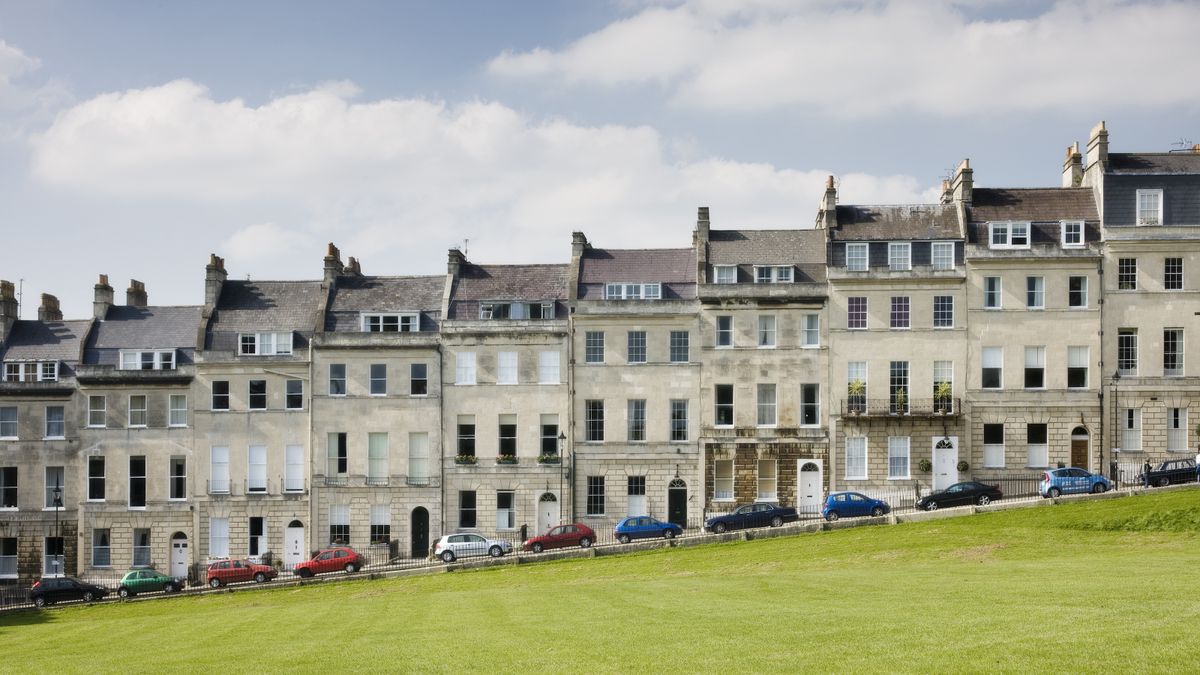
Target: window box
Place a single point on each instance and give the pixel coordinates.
(549, 459)
(465, 459)
(506, 459)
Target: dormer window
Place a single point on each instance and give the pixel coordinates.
(520, 311)
(147, 360)
(725, 274)
(633, 291)
(899, 256)
(772, 274)
(264, 344)
(942, 255)
(406, 322)
(1008, 235)
(856, 257)
(31, 371)
(1149, 207)
(1072, 233)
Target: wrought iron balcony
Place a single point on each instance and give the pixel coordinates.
(917, 407)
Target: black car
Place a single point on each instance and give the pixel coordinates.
(752, 515)
(961, 494)
(57, 589)
(1171, 471)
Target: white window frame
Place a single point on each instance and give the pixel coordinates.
(899, 256)
(722, 480)
(464, 368)
(12, 424)
(1131, 430)
(941, 314)
(60, 481)
(1157, 218)
(1035, 297)
(163, 359)
(850, 313)
(998, 292)
(418, 457)
(1180, 351)
(856, 445)
(724, 336)
(806, 403)
(810, 331)
(218, 466)
(767, 405)
(549, 367)
(93, 410)
(342, 378)
(1132, 334)
(506, 367)
(1071, 233)
(941, 255)
(991, 355)
(768, 480)
(377, 457)
(1008, 234)
(899, 448)
(1177, 430)
(992, 450)
(767, 337)
(774, 274)
(62, 421)
(279, 343)
(177, 410)
(1083, 290)
(633, 291)
(256, 469)
(294, 468)
(377, 379)
(1079, 356)
(1035, 358)
(218, 537)
(858, 257)
(390, 322)
(1037, 455)
(725, 274)
(144, 411)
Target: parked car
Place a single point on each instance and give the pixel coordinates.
(147, 581)
(561, 536)
(331, 560)
(961, 494)
(451, 547)
(752, 515)
(850, 504)
(59, 589)
(1171, 471)
(224, 572)
(1072, 480)
(642, 527)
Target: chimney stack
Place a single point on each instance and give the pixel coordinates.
(947, 193)
(135, 295)
(579, 244)
(963, 182)
(353, 268)
(454, 261)
(8, 309)
(702, 225)
(49, 310)
(1097, 150)
(827, 218)
(214, 278)
(1072, 175)
(104, 298)
(333, 263)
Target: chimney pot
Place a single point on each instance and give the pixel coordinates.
(103, 298)
(333, 263)
(49, 310)
(135, 295)
(579, 244)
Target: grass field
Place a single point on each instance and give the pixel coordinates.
(1106, 585)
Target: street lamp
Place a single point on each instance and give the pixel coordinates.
(57, 531)
(562, 442)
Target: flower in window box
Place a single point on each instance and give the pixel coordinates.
(464, 459)
(506, 459)
(548, 459)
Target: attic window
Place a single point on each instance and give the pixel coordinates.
(532, 311)
(1072, 233)
(31, 371)
(725, 274)
(856, 257)
(772, 274)
(264, 344)
(1149, 207)
(408, 322)
(147, 360)
(624, 291)
(942, 255)
(1008, 235)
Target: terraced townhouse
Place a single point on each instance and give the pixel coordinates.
(887, 348)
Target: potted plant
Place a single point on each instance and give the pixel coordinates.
(899, 401)
(465, 459)
(924, 465)
(856, 392)
(546, 458)
(942, 393)
(963, 465)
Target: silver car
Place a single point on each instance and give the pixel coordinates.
(450, 547)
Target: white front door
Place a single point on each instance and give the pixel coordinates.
(548, 512)
(637, 506)
(945, 462)
(293, 547)
(179, 557)
(808, 500)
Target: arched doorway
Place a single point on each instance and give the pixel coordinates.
(677, 497)
(179, 555)
(419, 526)
(809, 494)
(1079, 448)
(293, 544)
(549, 512)
(945, 462)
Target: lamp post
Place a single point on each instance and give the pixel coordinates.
(562, 444)
(57, 531)
(1117, 435)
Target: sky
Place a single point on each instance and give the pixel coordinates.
(136, 137)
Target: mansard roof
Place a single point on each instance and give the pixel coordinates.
(246, 306)
(892, 223)
(1153, 163)
(126, 327)
(801, 248)
(46, 340)
(355, 295)
(530, 283)
(1033, 204)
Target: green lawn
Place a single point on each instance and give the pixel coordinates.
(1098, 586)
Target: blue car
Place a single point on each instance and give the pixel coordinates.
(1072, 480)
(850, 504)
(643, 527)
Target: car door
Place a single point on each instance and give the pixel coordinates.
(241, 570)
(857, 505)
(324, 562)
(956, 495)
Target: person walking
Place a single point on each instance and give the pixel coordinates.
(1198, 464)
(1146, 474)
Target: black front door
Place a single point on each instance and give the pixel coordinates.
(677, 506)
(420, 533)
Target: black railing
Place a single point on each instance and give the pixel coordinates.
(881, 407)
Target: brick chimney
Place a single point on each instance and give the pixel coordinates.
(8, 309)
(135, 295)
(579, 244)
(947, 193)
(1097, 148)
(353, 268)
(700, 244)
(827, 217)
(214, 278)
(963, 182)
(702, 225)
(1072, 174)
(104, 298)
(454, 261)
(333, 263)
(49, 309)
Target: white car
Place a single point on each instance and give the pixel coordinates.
(453, 546)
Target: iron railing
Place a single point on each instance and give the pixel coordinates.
(917, 407)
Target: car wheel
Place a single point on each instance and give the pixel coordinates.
(831, 516)
(304, 573)
(877, 511)
(259, 577)
(351, 568)
(623, 538)
(984, 500)
(495, 551)
(931, 506)
(538, 548)
(89, 596)
(720, 528)
(668, 534)
(1054, 492)
(448, 556)
(214, 583)
(168, 588)
(585, 542)
(776, 521)
(1098, 488)
(1163, 482)
(39, 601)
(124, 592)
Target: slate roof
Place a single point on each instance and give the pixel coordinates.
(147, 328)
(46, 340)
(505, 282)
(890, 223)
(1153, 162)
(765, 247)
(385, 294)
(663, 265)
(267, 306)
(1032, 204)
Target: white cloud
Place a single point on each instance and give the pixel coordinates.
(875, 58)
(22, 103)
(395, 182)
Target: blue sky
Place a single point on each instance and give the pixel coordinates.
(137, 137)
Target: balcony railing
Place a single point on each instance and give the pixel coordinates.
(917, 407)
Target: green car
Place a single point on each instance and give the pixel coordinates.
(147, 581)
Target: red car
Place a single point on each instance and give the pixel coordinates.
(561, 536)
(224, 572)
(331, 560)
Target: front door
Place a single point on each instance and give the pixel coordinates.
(1079, 448)
(677, 502)
(179, 555)
(809, 492)
(945, 462)
(419, 522)
(548, 512)
(293, 545)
